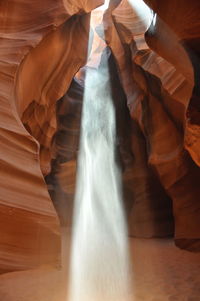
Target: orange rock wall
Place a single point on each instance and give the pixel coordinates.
(154, 73)
(159, 85)
(37, 64)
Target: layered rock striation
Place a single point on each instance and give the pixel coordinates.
(158, 77)
(39, 56)
(154, 70)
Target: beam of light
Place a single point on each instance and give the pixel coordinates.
(99, 264)
(143, 12)
(154, 20)
(104, 6)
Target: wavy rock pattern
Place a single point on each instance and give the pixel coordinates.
(33, 34)
(62, 178)
(150, 213)
(148, 207)
(188, 33)
(157, 110)
(158, 86)
(51, 81)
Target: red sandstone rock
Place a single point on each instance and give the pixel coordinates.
(62, 178)
(35, 57)
(171, 14)
(52, 79)
(158, 103)
(40, 52)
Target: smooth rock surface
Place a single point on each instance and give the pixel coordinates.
(159, 85)
(30, 232)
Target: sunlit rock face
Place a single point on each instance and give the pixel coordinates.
(148, 207)
(159, 86)
(52, 79)
(39, 56)
(187, 34)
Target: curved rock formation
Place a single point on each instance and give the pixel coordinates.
(33, 34)
(187, 33)
(62, 178)
(158, 89)
(37, 101)
(154, 70)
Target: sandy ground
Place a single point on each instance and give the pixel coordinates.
(162, 272)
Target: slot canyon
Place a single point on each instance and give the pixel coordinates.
(99, 150)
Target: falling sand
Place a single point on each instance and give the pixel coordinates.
(99, 268)
(96, 256)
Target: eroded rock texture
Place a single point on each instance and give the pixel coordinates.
(148, 207)
(40, 51)
(158, 78)
(154, 68)
(187, 33)
(62, 178)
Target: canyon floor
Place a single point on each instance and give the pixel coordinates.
(162, 272)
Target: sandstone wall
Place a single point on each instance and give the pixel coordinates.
(158, 77)
(37, 64)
